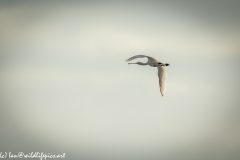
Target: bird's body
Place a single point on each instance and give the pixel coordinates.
(162, 73)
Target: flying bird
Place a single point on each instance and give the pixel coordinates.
(162, 73)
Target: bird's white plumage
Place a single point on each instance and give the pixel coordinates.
(151, 61)
(162, 73)
(142, 56)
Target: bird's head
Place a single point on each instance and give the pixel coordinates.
(167, 64)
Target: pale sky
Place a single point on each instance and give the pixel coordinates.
(65, 85)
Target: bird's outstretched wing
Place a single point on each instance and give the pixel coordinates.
(142, 56)
(162, 74)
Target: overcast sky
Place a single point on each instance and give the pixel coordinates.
(65, 85)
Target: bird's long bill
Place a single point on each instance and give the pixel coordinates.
(162, 74)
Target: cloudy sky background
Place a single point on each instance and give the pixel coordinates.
(65, 85)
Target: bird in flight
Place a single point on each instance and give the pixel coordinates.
(162, 73)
